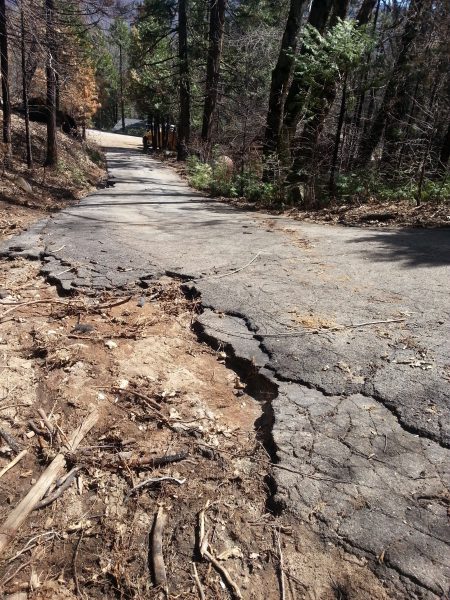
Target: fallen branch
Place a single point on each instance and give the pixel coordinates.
(148, 401)
(23, 304)
(374, 323)
(46, 421)
(236, 592)
(157, 461)
(277, 537)
(159, 568)
(64, 485)
(203, 545)
(198, 583)
(15, 446)
(13, 463)
(19, 514)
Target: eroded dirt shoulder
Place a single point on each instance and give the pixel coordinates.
(177, 430)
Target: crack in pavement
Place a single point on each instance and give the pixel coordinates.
(359, 440)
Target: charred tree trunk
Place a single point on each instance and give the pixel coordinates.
(52, 145)
(216, 27)
(281, 76)
(184, 123)
(25, 89)
(4, 71)
(392, 104)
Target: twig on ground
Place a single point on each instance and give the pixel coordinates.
(29, 303)
(203, 545)
(13, 463)
(113, 304)
(62, 487)
(277, 537)
(159, 568)
(157, 461)
(198, 583)
(46, 421)
(74, 565)
(20, 513)
(373, 323)
(12, 443)
(153, 480)
(148, 403)
(225, 575)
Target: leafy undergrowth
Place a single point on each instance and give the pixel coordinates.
(381, 206)
(176, 431)
(81, 167)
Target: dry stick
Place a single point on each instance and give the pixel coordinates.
(12, 463)
(46, 421)
(148, 400)
(225, 575)
(74, 565)
(153, 480)
(280, 558)
(149, 404)
(59, 491)
(10, 310)
(198, 583)
(203, 549)
(112, 304)
(15, 446)
(19, 514)
(159, 568)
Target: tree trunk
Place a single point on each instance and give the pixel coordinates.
(184, 124)
(445, 151)
(25, 89)
(337, 139)
(281, 76)
(216, 27)
(122, 103)
(4, 71)
(393, 101)
(52, 145)
(318, 17)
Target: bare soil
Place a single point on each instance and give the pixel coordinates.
(81, 168)
(160, 393)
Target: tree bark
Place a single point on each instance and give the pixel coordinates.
(25, 88)
(52, 145)
(184, 123)
(318, 17)
(216, 28)
(392, 105)
(281, 76)
(4, 71)
(122, 103)
(337, 139)
(445, 151)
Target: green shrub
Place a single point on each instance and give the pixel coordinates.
(199, 173)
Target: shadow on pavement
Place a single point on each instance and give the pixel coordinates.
(413, 247)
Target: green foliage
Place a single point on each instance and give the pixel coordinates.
(330, 55)
(200, 174)
(363, 186)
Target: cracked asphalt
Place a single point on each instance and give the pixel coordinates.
(350, 326)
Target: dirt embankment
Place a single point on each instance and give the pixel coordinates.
(27, 195)
(176, 431)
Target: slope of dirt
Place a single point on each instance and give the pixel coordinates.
(81, 168)
(169, 408)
